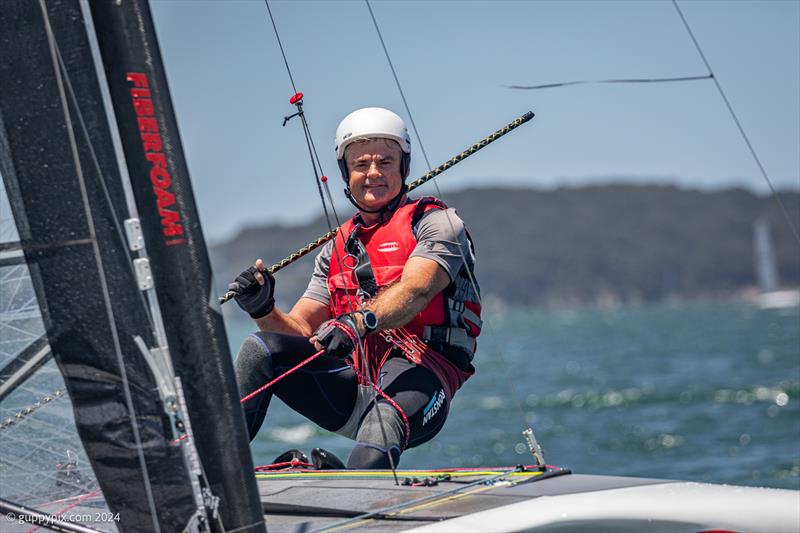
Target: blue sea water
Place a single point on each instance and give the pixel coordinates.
(697, 391)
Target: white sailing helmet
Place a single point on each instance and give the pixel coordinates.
(369, 123)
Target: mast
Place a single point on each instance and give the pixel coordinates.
(58, 168)
(179, 259)
(63, 165)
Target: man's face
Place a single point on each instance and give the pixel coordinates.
(374, 168)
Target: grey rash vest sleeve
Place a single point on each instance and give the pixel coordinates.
(441, 237)
(318, 285)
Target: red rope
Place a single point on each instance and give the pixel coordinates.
(354, 338)
(285, 464)
(80, 499)
(343, 327)
(347, 331)
(391, 402)
(277, 379)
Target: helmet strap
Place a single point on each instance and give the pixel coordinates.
(405, 165)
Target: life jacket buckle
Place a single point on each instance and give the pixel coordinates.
(453, 336)
(353, 259)
(363, 296)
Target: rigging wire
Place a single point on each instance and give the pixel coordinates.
(421, 145)
(623, 80)
(738, 124)
(399, 88)
(280, 45)
(709, 76)
(473, 282)
(24, 363)
(322, 182)
(312, 151)
(319, 177)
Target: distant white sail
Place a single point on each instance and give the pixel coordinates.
(771, 296)
(766, 268)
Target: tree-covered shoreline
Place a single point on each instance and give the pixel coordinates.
(593, 245)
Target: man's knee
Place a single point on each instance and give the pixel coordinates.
(254, 357)
(370, 457)
(253, 369)
(380, 434)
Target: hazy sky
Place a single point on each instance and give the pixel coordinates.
(455, 59)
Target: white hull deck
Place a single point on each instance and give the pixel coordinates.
(482, 501)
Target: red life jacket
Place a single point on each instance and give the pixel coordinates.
(447, 319)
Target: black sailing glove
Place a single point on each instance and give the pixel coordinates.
(255, 299)
(339, 336)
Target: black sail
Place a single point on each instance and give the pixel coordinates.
(68, 211)
(181, 268)
(61, 173)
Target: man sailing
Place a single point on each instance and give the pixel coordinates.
(392, 300)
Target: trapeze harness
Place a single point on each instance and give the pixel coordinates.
(373, 258)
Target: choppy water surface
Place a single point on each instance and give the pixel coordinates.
(705, 392)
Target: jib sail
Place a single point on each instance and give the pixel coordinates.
(79, 291)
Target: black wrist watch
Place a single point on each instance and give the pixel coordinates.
(369, 320)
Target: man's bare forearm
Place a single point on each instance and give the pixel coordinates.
(398, 304)
(279, 322)
(305, 317)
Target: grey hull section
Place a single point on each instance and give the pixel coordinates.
(669, 507)
(569, 502)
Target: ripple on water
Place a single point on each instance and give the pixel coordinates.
(491, 403)
(294, 434)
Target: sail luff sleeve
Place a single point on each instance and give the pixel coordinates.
(178, 255)
(67, 215)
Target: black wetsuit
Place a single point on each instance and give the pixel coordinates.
(326, 392)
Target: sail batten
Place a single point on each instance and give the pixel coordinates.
(16, 371)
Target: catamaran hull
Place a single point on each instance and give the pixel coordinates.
(669, 507)
(497, 500)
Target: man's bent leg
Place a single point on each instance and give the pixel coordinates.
(381, 432)
(420, 395)
(323, 390)
(253, 370)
